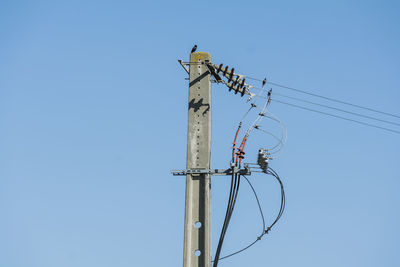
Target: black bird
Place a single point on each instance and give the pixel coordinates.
(264, 82)
(194, 49)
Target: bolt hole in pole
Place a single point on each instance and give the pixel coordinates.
(197, 253)
(197, 225)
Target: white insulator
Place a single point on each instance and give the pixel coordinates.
(262, 159)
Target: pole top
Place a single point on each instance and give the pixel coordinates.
(199, 56)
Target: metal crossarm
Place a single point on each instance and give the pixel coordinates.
(244, 171)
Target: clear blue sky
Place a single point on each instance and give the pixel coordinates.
(93, 113)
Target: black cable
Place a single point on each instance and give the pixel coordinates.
(262, 216)
(283, 199)
(281, 210)
(222, 235)
(235, 183)
(239, 251)
(258, 201)
(339, 117)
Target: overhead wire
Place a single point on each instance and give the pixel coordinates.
(280, 143)
(326, 98)
(283, 134)
(269, 115)
(334, 108)
(336, 116)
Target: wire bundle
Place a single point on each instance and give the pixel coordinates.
(233, 192)
(265, 230)
(237, 157)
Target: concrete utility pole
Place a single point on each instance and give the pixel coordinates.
(197, 243)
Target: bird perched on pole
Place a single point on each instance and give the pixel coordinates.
(194, 49)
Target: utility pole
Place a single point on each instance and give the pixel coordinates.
(197, 240)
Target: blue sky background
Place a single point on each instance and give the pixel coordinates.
(93, 113)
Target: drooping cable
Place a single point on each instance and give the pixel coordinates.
(282, 141)
(267, 229)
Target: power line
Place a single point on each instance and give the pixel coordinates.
(336, 116)
(338, 109)
(326, 98)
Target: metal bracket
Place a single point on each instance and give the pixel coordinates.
(245, 171)
(183, 65)
(214, 73)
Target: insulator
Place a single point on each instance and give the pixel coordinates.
(225, 70)
(230, 86)
(264, 82)
(235, 81)
(231, 75)
(219, 68)
(240, 152)
(243, 91)
(244, 79)
(262, 160)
